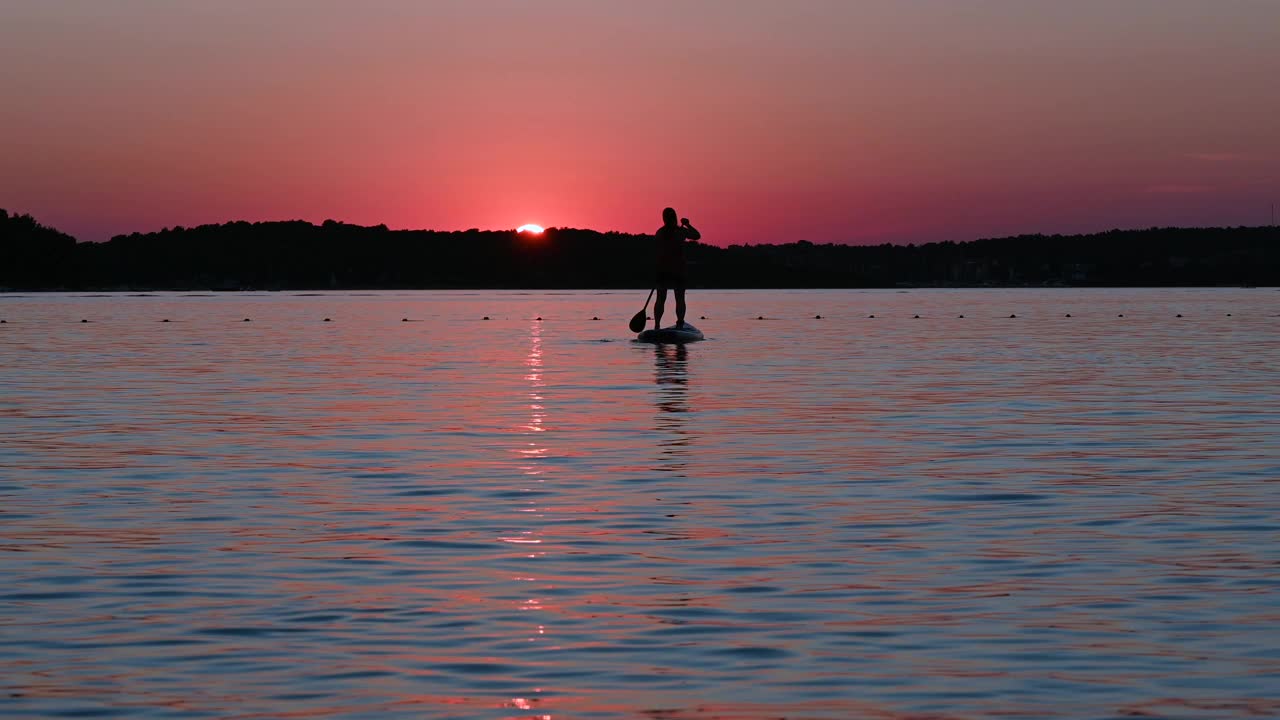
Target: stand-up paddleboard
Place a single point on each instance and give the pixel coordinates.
(671, 334)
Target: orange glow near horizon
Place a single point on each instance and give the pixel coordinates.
(530, 229)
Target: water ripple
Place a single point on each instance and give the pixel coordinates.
(1050, 517)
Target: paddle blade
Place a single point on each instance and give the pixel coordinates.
(638, 321)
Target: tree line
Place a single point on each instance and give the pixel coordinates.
(336, 255)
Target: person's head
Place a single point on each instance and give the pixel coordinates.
(669, 216)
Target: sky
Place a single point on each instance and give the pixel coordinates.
(853, 121)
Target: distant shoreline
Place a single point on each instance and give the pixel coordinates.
(141, 291)
(301, 256)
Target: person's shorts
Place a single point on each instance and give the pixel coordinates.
(672, 280)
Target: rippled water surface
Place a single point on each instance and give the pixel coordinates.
(412, 512)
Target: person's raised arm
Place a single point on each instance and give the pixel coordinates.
(690, 231)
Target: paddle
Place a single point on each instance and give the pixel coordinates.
(638, 320)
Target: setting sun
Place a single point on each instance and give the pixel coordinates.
(530, 228)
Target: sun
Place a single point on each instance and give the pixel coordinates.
(530, 228)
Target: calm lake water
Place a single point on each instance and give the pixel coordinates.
(1037, 516)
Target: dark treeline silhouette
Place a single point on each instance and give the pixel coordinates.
(300, 255)
(32, 255)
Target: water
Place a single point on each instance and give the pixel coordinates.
(1036, 516)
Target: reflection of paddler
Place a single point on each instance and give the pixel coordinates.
(671, 397)
(671, 264)
(671, 362)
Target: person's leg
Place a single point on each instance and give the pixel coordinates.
(680, 306)
(658, 306)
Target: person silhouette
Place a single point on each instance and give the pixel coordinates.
(671, 265)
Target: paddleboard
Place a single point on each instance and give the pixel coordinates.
(671, 334)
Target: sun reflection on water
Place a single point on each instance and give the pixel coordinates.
(531, 454)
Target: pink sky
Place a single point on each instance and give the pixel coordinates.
(843, 120)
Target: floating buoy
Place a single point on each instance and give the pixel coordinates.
(486, 317)
(760, 317)
(83, 320)
(1228, 314)
(1120, 315)
(870, 316)
(539, 318)
(704, 317)
(246, 320)
(2, 322)
(1068, 315)
(817, 317)
(961, 316)
(915, 317)
(326, 319)
(1179, 315)
(165, 320)
(593, 317)
(1012, 315)
(404, 319)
